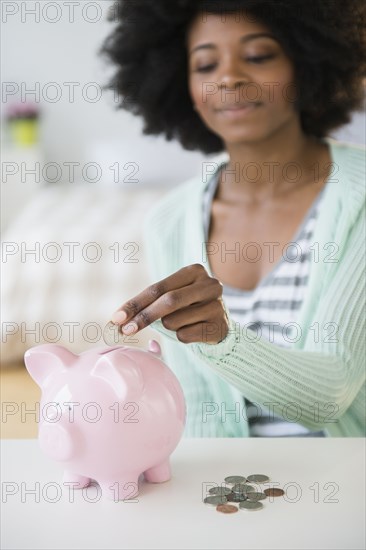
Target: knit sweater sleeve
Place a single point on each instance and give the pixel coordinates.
(319, 381)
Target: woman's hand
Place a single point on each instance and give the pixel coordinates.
(188, 302)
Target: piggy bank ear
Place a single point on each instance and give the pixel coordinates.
(154, 347)
(121, 373)
(44, 361)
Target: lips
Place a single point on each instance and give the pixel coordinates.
(239, 106)
(238, 111)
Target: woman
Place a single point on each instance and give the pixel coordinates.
(257, 264)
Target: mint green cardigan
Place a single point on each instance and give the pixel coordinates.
(318, 382)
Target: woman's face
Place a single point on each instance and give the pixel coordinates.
(230, 67)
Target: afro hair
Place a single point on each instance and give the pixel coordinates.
(324, 39)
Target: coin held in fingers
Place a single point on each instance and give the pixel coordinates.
(112, 335)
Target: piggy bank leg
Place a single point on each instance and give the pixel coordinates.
(78, 481)
(159, 473)
(124, 489)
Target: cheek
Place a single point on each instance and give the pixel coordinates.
(278, 88)
(203, 91)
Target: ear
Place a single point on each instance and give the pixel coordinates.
(44, 361)
(121, 373)
(154, 347)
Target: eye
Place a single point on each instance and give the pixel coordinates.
(260, 59)
(256, 59)
(205, 69)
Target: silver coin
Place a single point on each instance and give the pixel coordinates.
(250, 505)
(240, 488)
(256, 496)
(111, 334)
(214, 500)
(258, 478)
(236, 497)
(219, 491)
(232, 480)
(249, 488)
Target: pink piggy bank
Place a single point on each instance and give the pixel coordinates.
(109, 414)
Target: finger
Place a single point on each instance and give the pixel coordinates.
(209, 333)
(174, 300)
(183, 277)
(192, 315)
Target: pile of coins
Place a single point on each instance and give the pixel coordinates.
(242, 492)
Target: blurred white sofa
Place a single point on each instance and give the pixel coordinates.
(70, 259)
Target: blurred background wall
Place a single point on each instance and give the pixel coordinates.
(50, 60)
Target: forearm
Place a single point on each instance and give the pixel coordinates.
(312, 387)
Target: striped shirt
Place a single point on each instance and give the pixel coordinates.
(271, 311)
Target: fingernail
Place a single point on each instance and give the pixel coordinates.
(118, 317)
(130, 328)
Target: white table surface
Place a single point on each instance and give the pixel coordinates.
(172, 515)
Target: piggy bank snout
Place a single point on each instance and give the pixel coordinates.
(56, 441)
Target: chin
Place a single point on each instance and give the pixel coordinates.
(243, 137)
(251, 134)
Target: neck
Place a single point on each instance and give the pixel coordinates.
(263, 170)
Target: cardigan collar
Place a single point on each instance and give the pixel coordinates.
(338, 192)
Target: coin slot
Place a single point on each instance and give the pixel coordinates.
(111, 349)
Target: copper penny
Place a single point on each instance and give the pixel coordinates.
(226, 508)
(273, 492)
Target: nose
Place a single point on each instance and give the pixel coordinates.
(232, 74)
